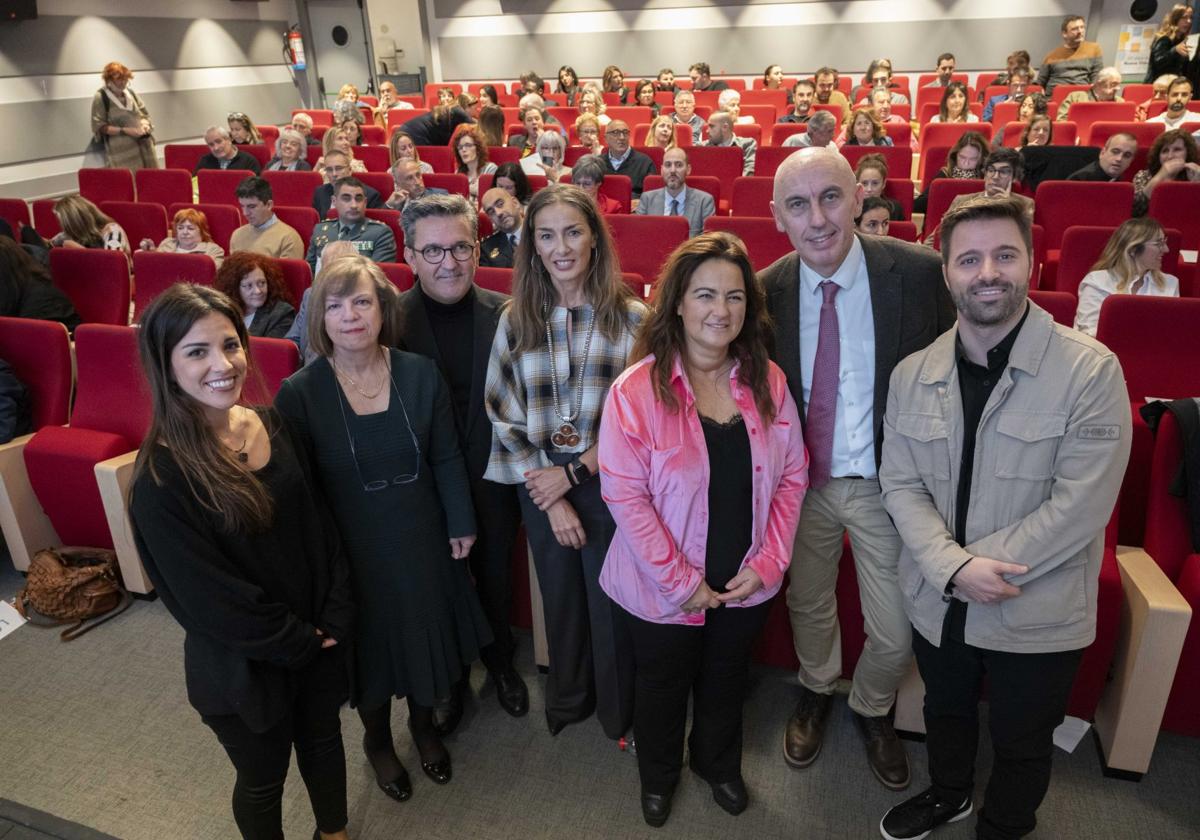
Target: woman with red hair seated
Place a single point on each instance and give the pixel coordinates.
(255, 283)
(190, 235)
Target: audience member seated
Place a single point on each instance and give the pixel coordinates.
(661, 133)
(511, 178)
(685, 114)
(548, 157)
(242, 129)
(491, 125)
(302, 124)
(531, 82)
(1131, 263)
(488, 97)
(587, 132)
(865, 129)
(801, 98)
(534, 100)
(1116, 156)
(534, 120)
(506, 215)
(953, 107)
(567, 88)
(264, 233)
(1173, 157)
(872, 174)
(347, 105)
(730, 102)
(1179, 94)
(591, 102)
(821, 127)
(875, 217)
(881, 104)
(389, 99)
(336, 139)
(665, 82)
(1039, 131)
(85, 226)
(1103, 89)
(675, 198)
(222, 154)
(255, 285)
(621, 159)
(16, 413)
(190, 236)
(1018, 80)
(1169, 49)
(826, 80)
(944, 71)
(879, 75)
(26, 290)
(643, 96)
(702, 79)
(337, 166)
(29, 240)
(290, 153)
(720, 133)
(1158, 93)
(1076, 62)
(409, 184)
(471, 156)
(371, 238)
(1002, 167)
(353, 132)
(964, 160)
(1015, 59)
(772, 79)
(437, 127)
(613, 81)
(446, 97)
(588, 174)
(402, 147)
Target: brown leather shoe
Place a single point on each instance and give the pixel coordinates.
(885, 753)
(805, 728)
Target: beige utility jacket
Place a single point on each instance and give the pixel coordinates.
(1050, 453)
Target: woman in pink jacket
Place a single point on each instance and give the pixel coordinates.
(703, 467)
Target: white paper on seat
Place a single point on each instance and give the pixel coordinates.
(1070, 732)
(10, 619)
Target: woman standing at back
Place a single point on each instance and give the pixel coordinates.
(121, 122)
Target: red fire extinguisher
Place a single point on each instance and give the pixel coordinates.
(294, 48)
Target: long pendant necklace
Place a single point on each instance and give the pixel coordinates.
(383, 381)
(566, 436)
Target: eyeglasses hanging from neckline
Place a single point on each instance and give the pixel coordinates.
(381, 483)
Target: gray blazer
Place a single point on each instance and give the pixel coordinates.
(697, 206)
(909, 303)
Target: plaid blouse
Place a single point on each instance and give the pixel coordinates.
(519, 394)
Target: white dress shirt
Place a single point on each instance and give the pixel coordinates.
(854, 423)
(1097, 285)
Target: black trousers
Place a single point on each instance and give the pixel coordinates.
(711, 663)
(1027, 699)
(591, 661)
(261, 759)
(498, 518)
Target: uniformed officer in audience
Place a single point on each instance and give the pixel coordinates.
(371, 238)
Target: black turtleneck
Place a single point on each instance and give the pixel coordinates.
(453, 327)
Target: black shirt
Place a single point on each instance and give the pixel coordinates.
(453, 327)
(242, 160)
(730, 500)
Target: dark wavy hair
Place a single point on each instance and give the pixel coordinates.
(1154, 158)
(513, 172)
(661, 332)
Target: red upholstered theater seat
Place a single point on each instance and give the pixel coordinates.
(617, 187)
(98, 185)
(645, 242)
(164, 186)
(375, 158)
(14, 211)
(683, 135)
(941, 193)
(754, 132)
(1155, 340)
(451, 183)
(903, 230)
(297, 276)
(293, 189)
(270, 135)
(899, 158)
(300, 219)
(707, 183)
(1082, 246)
(141, 220)
(440, 158)
(381, 182)
(1176, 204)
(39, 353)
(320, 116)
(1168, 541)
(399, 274)
(183, 155)
(258, 151)
(218, 186)
(96, 281)
(110, 417)
(1064, 133)
(752, 196)
(1097, 133)
(1059, 204)
(223, 220)
(494, 278)
(1083, 114)
(274, 360)
(157, 271)
(764, 243)
(1060, 305)
(722, 162)
(44, 220)
(781, 132)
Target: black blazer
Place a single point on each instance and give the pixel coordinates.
(497, 251)
(475, 430)
(322, 199)
(909, 303)
(273, 321)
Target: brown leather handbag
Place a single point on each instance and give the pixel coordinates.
(77, 586)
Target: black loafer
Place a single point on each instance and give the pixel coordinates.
(511, 692)
(399, 788)
(731, 796)
(439, 771)
(447, 715)
(656, 807)
(555, 726)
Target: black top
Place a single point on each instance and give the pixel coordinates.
(242, 160)
(249, 603)
(793, 118)
(636, 166)
(426, 131)
(1164, 60)
(273, 320)
(453, 327)
(497, 250)
(730, 499)
(1091, 172)
(15, 410)
(31, 297)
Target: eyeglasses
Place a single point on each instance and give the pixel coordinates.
(382, 483)
(999, 171)
(617, 132)
(1161, 244)
(462, 146)
(434, 254)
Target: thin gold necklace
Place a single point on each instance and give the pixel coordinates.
(383, 380)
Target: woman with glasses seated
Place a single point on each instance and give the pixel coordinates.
(381, 429)
(1131, 264)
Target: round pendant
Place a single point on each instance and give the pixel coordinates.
(565, 436)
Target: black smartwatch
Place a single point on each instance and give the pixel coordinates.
(578, 472)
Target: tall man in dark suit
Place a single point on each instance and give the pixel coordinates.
(453, 321)
(506, 215)
(847, 309)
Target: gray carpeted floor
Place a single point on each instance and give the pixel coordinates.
(98, 731)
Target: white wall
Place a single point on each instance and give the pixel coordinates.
(398, 21)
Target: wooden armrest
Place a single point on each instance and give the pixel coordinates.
(1154, 622)
(27, 529)
(113, 478)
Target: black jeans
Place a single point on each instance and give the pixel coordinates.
(711, 663)
(261, 759)
(1027, 699)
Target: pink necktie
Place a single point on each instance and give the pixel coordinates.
(822, 398)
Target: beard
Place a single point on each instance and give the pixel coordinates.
(988, 312)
